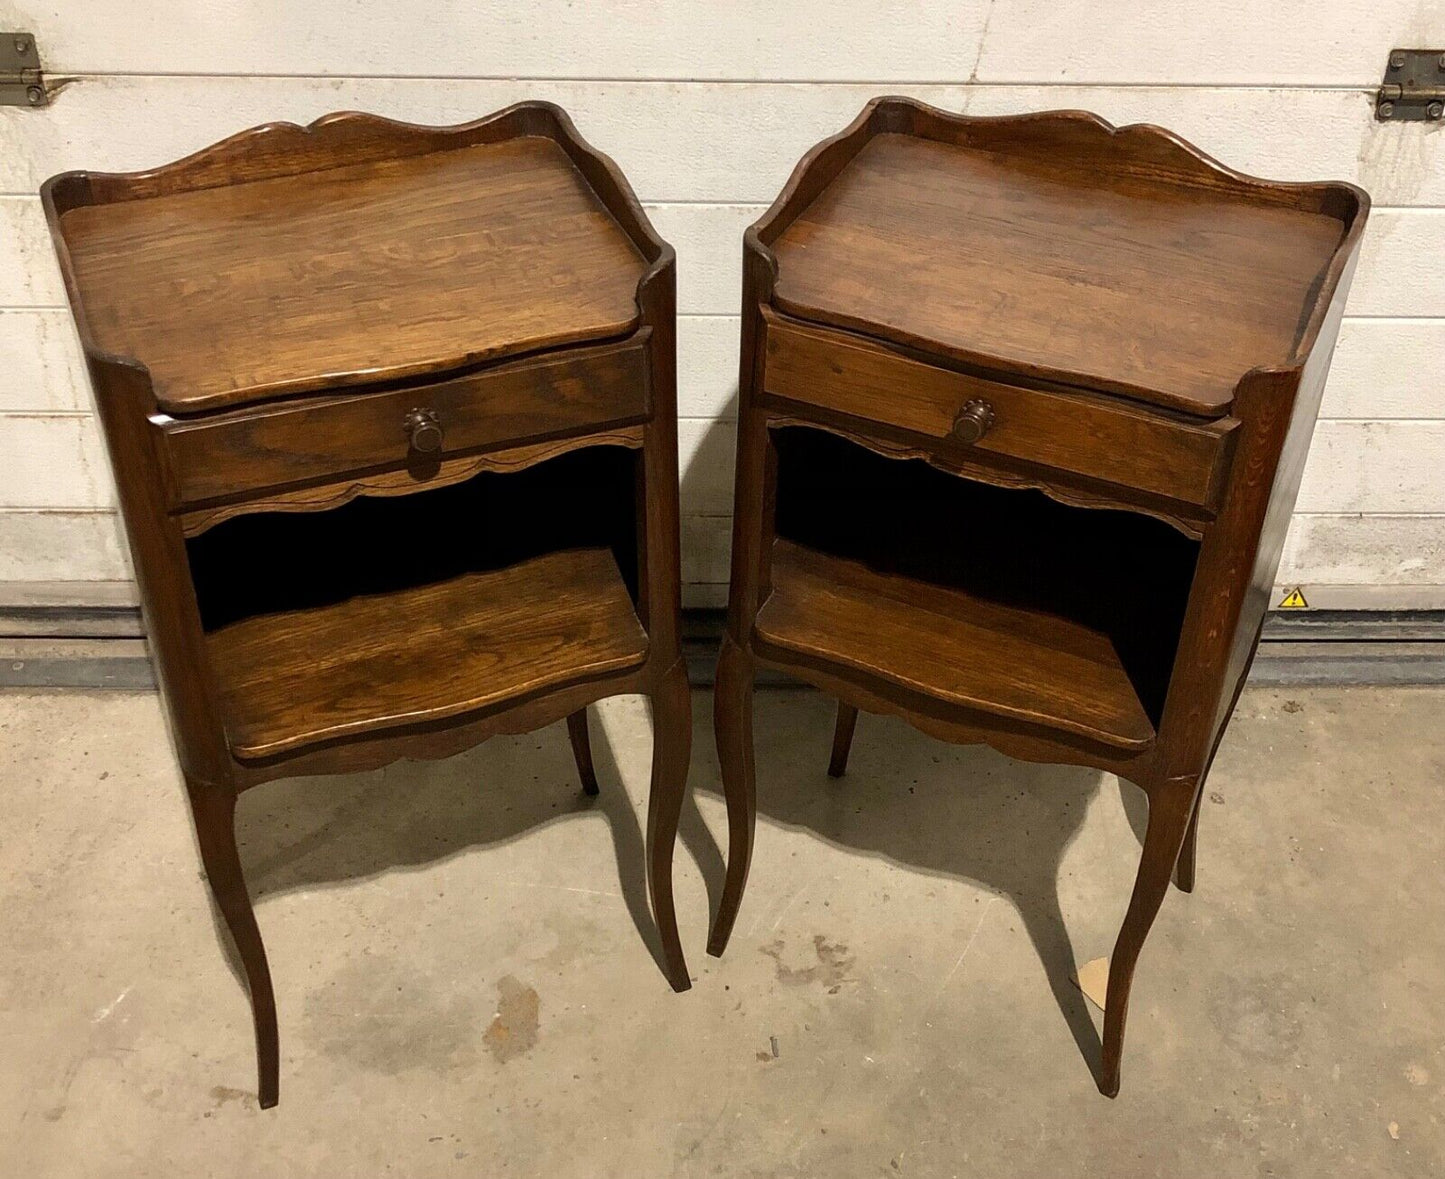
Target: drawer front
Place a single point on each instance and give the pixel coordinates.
(308, 441)
(1081, 435)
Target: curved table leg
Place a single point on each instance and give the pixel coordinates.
(1169, 809)
(1184, 869)
(214, 811)
(582, 750)
(733, 724)
(842, 739)
(671, 749)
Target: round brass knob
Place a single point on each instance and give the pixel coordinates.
(974, 420)
(423, 430)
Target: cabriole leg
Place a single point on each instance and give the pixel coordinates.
(671, 749)
(733, 724)
(214, 811)
(1184, 869)
(582, 750)
(1169, 808)
(842, 739)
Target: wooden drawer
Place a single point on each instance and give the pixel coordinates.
(309, 440)
(1095, 437)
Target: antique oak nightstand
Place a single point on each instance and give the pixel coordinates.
(1024, 407)
(392, 414)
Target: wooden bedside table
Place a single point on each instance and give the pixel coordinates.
(1024, 407)
(392, 415)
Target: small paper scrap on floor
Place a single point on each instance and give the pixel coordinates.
(1093, 980)
(1394, 1128)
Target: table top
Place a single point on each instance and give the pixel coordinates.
(1124, 280)
(356, 274)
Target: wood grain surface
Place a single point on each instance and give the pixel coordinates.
(361, 273)
(1109, 440)
(324, 496)
(942, 642)
(313, 438)
(1169, 294)
(424, 654)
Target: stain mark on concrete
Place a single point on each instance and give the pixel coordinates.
(514, 1027)
(1260, 1017)
(834, 963)
(384, 1017)
(1293, 706)
(221, 1094)
(1417, 1074)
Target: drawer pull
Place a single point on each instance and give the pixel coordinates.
(974, 420)
(423, 430)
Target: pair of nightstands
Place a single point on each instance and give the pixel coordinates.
(1024, 403)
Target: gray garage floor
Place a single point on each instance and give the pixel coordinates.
(463, 988)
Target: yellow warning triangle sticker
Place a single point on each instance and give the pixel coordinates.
(1294, 600)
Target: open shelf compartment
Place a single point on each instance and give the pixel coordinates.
(495, 589)
(1001, 601)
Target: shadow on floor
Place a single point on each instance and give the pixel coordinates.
(964, 813)
(309, 833)
(961, 813)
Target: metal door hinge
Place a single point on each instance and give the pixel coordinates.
(1413, 88)
(22, 83)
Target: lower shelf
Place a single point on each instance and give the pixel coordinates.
(425, 653)
(951, 646)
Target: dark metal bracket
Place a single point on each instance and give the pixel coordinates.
(1413, 88)
(22, 82)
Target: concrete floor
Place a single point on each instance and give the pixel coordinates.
(463, 989)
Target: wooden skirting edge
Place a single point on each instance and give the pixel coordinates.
(48, 644)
